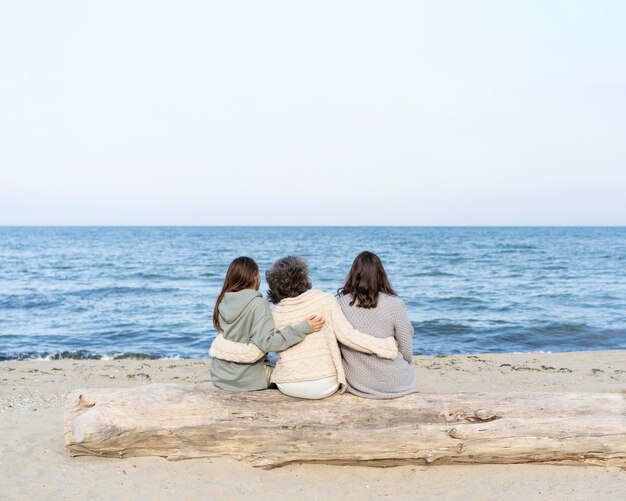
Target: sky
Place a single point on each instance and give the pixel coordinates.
(313, 113)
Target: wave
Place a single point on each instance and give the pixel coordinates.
(46, 301)
(561, 328)
(27, 301)
(444, 337)
(434, 273)
(515, 247)
(437, 327)
(119, 291)
(86, 355)
(158, 276)
(459, 299)
(451, 303)
(432, 337)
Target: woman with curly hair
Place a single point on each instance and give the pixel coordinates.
(241, 314)
(312, 368)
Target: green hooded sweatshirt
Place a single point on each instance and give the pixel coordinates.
(245, 317)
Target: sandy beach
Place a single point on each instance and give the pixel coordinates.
(35, 464)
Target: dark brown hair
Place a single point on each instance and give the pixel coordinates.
(288, 277)
(366, 280)
(243, 273)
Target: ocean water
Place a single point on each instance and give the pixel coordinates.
(90, 292)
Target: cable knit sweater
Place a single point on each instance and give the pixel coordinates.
(318, 355)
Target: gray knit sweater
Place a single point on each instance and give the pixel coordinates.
(368, 375)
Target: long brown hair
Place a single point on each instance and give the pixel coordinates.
(243, 273)
(366, 280)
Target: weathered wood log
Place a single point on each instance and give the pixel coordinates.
(270, 429)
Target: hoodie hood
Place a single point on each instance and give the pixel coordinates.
(234, 303)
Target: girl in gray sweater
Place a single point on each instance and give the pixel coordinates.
(371, 305)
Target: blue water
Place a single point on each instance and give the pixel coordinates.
(92, 292)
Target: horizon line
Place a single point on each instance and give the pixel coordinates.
(311, 226)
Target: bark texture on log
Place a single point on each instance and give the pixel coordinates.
(270, 429)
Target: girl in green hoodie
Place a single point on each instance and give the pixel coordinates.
(242, 315)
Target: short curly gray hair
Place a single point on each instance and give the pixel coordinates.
(288, 277)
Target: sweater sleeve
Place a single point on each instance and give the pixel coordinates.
(232, 351)
(352, 338)
(264, 336)
(404, 333)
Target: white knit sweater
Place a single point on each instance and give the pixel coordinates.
(318, 355)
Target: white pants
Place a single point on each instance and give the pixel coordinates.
(313, 390)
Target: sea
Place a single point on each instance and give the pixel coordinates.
(148, 292)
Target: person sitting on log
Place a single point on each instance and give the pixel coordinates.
(311, 369)
(242, 315)
(371, 305)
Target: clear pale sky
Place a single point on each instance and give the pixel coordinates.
(313, 113)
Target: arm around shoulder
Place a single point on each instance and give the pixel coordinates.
(357, 340)
(404, 332)
(231, 351)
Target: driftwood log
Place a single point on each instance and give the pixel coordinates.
(270, 429)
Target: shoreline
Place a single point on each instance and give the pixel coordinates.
(55, 357)
(37, 466)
